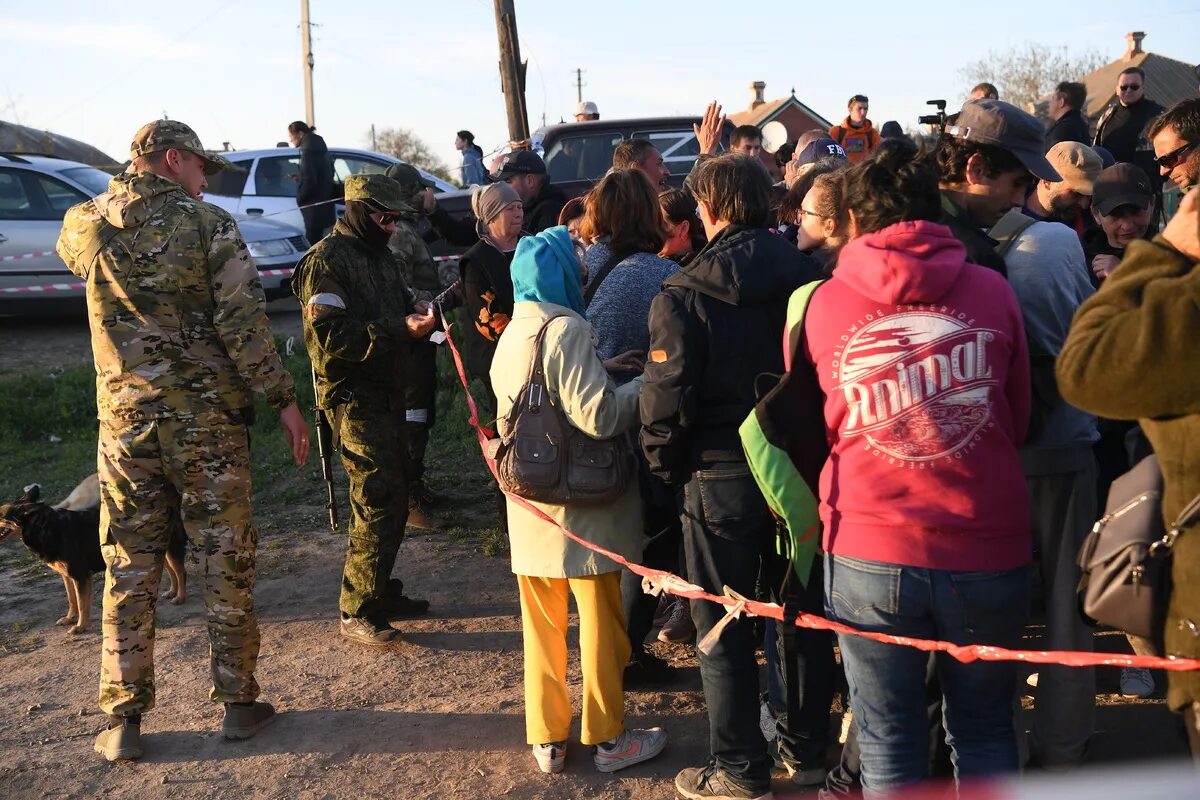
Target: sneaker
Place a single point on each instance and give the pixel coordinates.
(550, 757)
(243, 720)
(711, 783)
(633, 746)
(679, 627)
(806, 774)
(647, 669)
(397, 604)
(662, 612)
(121, 740)
(371, 632)
(1136, 682)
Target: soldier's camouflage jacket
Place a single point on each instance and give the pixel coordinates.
(176, 306)
(416, 265)
(355, 300)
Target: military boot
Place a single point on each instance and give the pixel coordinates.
(397, 604)
(419, 515)
(243, 720)
(121, 740)
(373, 631)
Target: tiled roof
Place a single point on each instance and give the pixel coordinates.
(768, 111)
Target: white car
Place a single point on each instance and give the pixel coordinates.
(35, 193)
(264, 184)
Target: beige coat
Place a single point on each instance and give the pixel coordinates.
(581, 388)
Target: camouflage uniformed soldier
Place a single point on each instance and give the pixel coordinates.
(360, 324)
(181, 339)
(421, 274)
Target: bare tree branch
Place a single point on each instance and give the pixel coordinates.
(405, 145)
(1027, 72)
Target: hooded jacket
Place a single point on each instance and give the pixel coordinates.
(714, 328)
(542, 211)
(316, 180)
(176, 306)
(859, 142)
(923, 361)
(1070, 127)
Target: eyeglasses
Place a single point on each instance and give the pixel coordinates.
(1169, 160)
(1131, 88)
(804, 212)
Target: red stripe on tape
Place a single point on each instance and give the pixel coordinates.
(673, 584)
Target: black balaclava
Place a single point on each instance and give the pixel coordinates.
(358, 220)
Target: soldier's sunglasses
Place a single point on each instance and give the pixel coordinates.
(1169, 160)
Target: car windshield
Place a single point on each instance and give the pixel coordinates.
(92, 179)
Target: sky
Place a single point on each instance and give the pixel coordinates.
(232, 68)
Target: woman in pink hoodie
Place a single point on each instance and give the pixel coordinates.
(923, 363)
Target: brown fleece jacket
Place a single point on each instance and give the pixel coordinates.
(1133, 353)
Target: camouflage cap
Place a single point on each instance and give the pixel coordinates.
(378, 191)
(408, 176)
(170, 134)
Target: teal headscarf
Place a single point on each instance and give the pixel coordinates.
(546, 270)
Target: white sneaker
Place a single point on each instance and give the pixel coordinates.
(1136, 682)
(633, 746)
(550, 757)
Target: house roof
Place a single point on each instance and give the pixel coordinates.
(762, 114)
(1167, 81)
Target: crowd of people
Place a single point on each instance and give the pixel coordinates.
(970, 327)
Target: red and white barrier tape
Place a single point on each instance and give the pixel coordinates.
(24, 256)
(657, 581)
(446, 258)
(66, 287)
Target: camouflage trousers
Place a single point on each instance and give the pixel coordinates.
(373, 447)
(153, 471)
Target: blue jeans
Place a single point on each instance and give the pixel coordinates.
(887, 682)
(726, 529)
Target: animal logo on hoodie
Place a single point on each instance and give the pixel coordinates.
(917, 383)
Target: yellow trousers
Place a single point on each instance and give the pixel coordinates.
(603, 653)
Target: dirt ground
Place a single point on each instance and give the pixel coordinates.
(440, 717)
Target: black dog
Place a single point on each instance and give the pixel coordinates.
(66, 538)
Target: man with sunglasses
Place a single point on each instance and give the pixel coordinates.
(1122, 126)
(360, 325)
(1176, 139)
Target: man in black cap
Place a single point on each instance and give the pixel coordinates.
(987, 163)
(525, 171)
(1123, 205)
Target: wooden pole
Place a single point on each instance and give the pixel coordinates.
(307, 63)
(512, 71)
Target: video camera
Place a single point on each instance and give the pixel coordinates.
(938, 119)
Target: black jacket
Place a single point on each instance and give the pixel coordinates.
(1121, 130)
(316, 180)
(487, 292)
(542, 211)
(715, 327)
(981, 248)
(1070, 127)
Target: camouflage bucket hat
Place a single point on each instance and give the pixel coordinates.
(169, 134)
(378, 191)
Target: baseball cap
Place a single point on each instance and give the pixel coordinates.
(170, 134)
(520, 162)
(1120, 185)
(817, 149)
(1078, 164)
(1003, 125)
(378, 191)
(407, 176)
(586, 107)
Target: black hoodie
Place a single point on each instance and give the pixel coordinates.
(715, 327)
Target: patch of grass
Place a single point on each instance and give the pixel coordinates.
(17, 638)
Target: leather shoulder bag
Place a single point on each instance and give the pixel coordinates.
(543, 457)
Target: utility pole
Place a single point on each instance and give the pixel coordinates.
(579, 85)
(373, 147)
(307, 63)
(512, 71)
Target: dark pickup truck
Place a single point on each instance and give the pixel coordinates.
(577, 154)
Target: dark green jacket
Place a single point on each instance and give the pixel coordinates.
(1132, 353)
(355, 301)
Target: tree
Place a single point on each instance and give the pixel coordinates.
(1028, 72)
(405, 145)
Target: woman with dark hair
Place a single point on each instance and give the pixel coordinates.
(572, 217)
(625, 223)
(821, 228)
(685, 233)
(314, 194)
(922, 360)
(473, 173)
